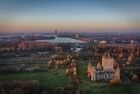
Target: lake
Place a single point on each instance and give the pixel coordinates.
(62, 40)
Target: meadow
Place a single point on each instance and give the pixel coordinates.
(58, 78)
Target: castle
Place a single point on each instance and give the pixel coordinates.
(105, 70)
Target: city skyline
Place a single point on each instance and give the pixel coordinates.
(69, 15)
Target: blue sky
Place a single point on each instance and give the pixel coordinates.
(69, 11)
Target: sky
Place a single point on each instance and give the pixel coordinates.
(69, 15)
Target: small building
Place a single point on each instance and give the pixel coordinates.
(102, 42)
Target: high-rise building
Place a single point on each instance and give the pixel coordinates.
(56, 33)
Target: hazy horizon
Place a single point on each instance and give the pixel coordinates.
(69, 15)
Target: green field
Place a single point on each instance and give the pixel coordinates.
(52, 78)
(88, 87)
(58, 78)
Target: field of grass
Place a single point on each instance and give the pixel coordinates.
(125, 89)
(58, 78)
(51, 78)
(88, 87)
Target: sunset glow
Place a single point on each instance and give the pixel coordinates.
(68, 15)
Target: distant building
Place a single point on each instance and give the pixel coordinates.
(56, 33)
(76, 48)
(77, 36)
(103, 42)
(133, 42)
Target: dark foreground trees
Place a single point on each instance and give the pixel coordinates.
(19, 87)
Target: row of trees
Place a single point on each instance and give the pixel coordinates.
(125, 53)
(23, 68)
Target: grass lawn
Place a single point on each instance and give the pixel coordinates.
(51, 78)
(88, 87)
(58, 78)
(125, 89)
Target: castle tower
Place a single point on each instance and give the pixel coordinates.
(99, 66)
(117, 73)
(107, 62)
(91, 72)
